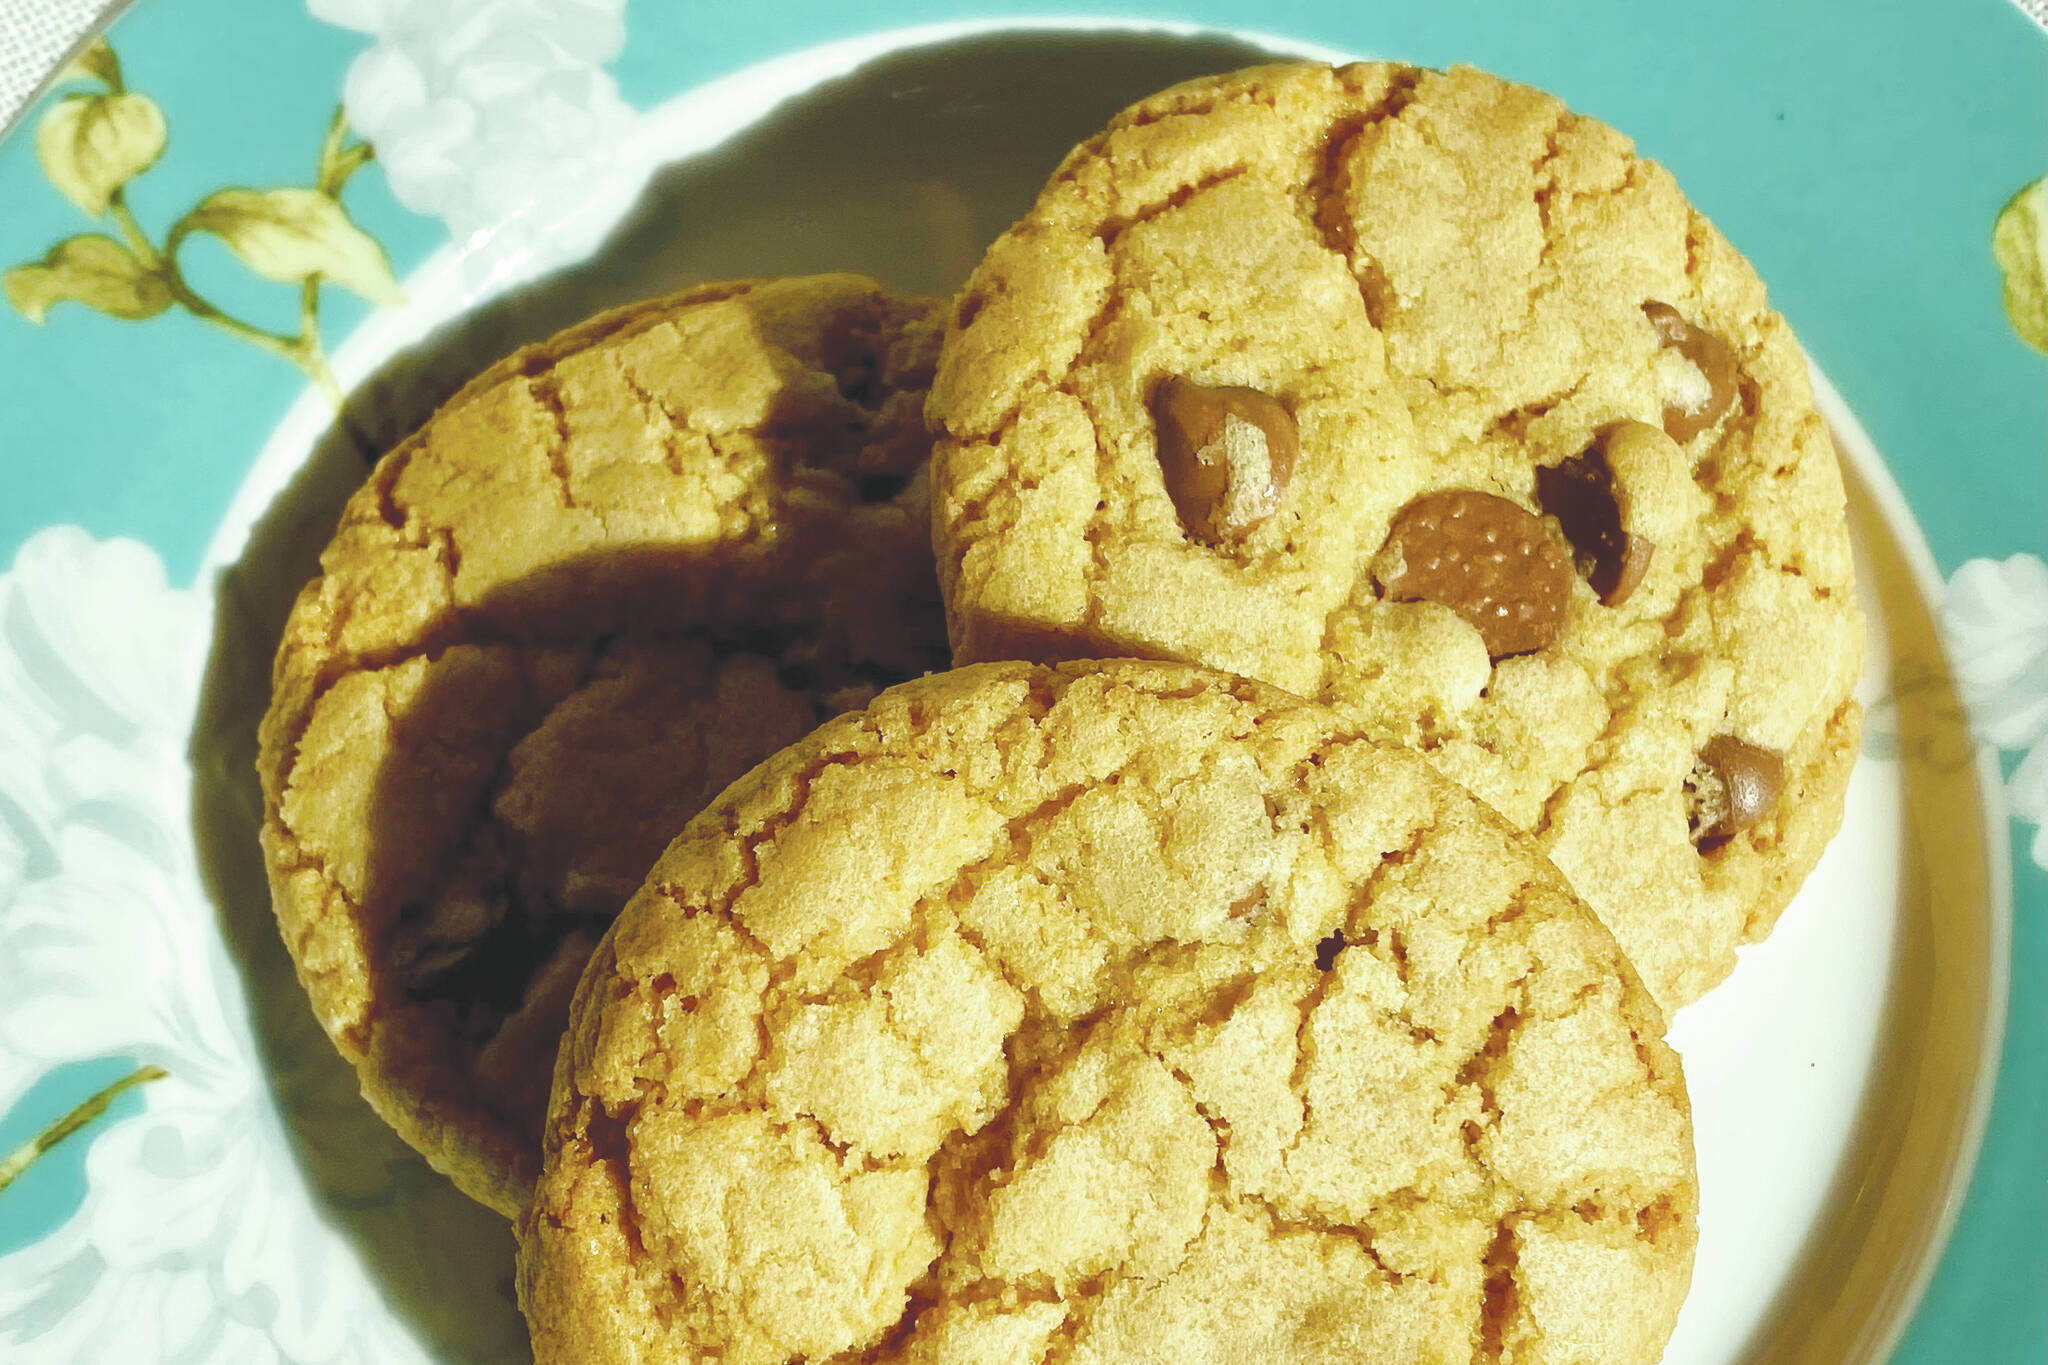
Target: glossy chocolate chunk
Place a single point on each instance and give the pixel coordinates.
(1734, 785)
(1710, 355)
(1592, 511)
(1227, 455)
(1489, 560)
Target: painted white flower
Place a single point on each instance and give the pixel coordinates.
(99, 662)
(1994, 618)
(196, 1236)
(201, 1236)
(492, 115)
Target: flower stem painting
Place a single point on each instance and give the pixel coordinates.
(95, 143)
(24, 1156)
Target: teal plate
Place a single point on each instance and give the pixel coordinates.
(177, 433)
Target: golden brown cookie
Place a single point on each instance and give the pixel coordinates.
(1415, 392)
(1114, 1012)
(611, 575)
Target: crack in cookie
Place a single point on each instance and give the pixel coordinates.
(1443, 279)
(922, 1131)
(551, 625)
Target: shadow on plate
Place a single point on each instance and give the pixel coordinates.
(903, 170)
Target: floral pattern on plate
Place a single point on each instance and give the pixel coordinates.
(211, 1229)
(94, 143)
(1994, 619)
(481, 108)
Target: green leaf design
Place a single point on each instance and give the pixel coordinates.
(293, 234)
(96, 271)
(2019, 242)
(96, 63)
(92, 145)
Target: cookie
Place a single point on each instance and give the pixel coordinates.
(1113, 1012)
(1417, 393)
(608, 577)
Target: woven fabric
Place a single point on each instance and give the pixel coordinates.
(35, 35)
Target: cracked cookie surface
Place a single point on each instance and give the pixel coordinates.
(1450, 282)
(1107, 1012)
(608, 577)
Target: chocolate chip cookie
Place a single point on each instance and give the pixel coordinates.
(1112, 1012)
(1417, 393)
(610, 576)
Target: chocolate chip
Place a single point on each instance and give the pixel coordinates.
(1485, 558)
(1581, 494)
(1227, 455)
(1714, 359)
(1734, 784)
(1327, 950)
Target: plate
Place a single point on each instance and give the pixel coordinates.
(246, 1206)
